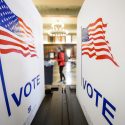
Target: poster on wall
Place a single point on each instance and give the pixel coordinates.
(96, 47)
(20, 75)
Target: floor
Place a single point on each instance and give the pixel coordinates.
(69, 71)
(60, 106)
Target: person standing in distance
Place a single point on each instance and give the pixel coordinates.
(61, 62)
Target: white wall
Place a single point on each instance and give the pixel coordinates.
(22, 76)
(101, 84)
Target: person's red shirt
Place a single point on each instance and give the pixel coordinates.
(61, 59)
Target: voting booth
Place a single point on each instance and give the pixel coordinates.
(21, 62)
(100, 61)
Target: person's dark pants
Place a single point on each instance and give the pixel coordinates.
(62, 77)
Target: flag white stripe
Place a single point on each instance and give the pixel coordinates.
(24, 40)
(18, 48)
(97, 24)
(15, 41)
(25, 28)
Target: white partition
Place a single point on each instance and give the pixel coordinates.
(21, 62)
(100, 62)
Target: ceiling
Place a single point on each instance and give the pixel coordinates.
(64, 11)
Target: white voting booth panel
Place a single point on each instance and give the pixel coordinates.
(21, 62)
(100, 62)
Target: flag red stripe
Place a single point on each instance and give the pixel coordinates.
(23, 33)
(102, 44)
(11, 36)
(24, 24)
(25, 30)
(106, 57)
(97, 50)
(32, 47)
(96, 44)
(6, 51)
(97, 33)
(98, 20)
(32, 50)
(90, 55)
(33, 55)
(5, 42)
(87, 44)
(100, 37)
(97, 27)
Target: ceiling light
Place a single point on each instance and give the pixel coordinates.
(57, 30)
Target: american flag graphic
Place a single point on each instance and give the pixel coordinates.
(15, 35)
(94, 43)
